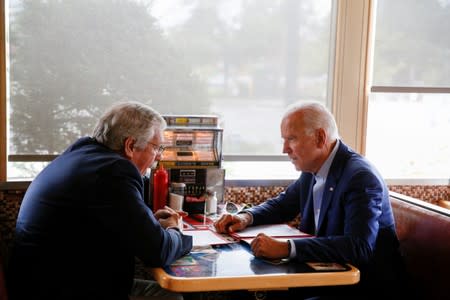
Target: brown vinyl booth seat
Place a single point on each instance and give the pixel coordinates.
(424, 233)
(3, 293)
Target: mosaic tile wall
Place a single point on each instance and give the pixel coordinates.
(253, 195)
(430, 193)
(9, 208)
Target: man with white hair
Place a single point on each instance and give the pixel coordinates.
(342, 201)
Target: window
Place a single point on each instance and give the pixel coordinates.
(244, 61)
(409, 105)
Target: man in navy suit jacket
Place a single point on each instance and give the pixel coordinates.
(83, 219)
(347, 211)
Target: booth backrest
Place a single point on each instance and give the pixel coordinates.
(3, 293)
(424, 234)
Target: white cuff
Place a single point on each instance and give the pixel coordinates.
(293, 251)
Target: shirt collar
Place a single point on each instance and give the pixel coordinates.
(325, 168)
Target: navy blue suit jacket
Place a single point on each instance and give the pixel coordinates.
(81, 224)
(356, 223)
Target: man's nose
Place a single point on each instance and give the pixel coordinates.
(286, 148)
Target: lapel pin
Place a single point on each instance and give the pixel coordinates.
(331, 189)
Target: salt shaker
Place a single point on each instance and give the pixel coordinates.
(210, 203)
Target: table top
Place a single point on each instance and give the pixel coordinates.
(233, 267)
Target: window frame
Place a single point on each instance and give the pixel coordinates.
(3, 92)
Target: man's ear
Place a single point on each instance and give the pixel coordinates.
(128, 147)
(321, 137)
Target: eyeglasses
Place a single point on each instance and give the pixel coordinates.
(158, 149)
(233, 208)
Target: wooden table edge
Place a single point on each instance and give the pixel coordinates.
(254, 282)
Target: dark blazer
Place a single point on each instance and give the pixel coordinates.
(81, 224)
(356, 223)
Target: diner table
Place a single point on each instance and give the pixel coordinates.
(232, 266)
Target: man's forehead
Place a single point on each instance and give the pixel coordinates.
(292, 123)
(157, 137)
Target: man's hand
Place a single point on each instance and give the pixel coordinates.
(231, 223)
(268, 247)
(168, 217)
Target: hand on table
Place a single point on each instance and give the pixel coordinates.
(268, 247)
(168, 217)
(231, 223)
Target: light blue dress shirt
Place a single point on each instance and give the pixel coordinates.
(320, 178)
